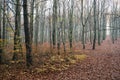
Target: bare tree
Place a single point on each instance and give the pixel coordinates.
(27, 35)
(54, 22)
(94, 40)
(1, 48)
(17, 40)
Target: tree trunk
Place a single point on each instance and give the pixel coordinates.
(54, 22)
(36, 27)
(64, 25)
(17, 40)
(1, 48)
(71, 24)
(4, 23)
(27, 35)
(94, 40)
(83, 31)
(31, 20)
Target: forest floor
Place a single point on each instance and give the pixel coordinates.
(100, 64)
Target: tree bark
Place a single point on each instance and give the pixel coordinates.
(1, 49)
(27, 35)
(17, 40)
(54, 22)
(94, 40)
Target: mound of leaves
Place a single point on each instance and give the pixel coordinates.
(59, 63)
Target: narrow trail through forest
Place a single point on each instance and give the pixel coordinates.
(101, 64)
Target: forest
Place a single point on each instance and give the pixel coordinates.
(59, 39)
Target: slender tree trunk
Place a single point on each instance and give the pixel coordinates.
(1, 48)
(71, 24)
(17, 44)
(31, 20)
(58, 31)
(98, 19)
(90, 34)
(94, 40)
(83, 31)
(2, 34)
(4, 22)
(64, 25)
(36, 27)
(50, 32)
(54, 22)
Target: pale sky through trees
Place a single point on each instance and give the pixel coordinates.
(108, 2)
(75, 39)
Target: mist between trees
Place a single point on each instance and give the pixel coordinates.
(56, 23)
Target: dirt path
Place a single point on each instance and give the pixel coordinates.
(102, 64)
